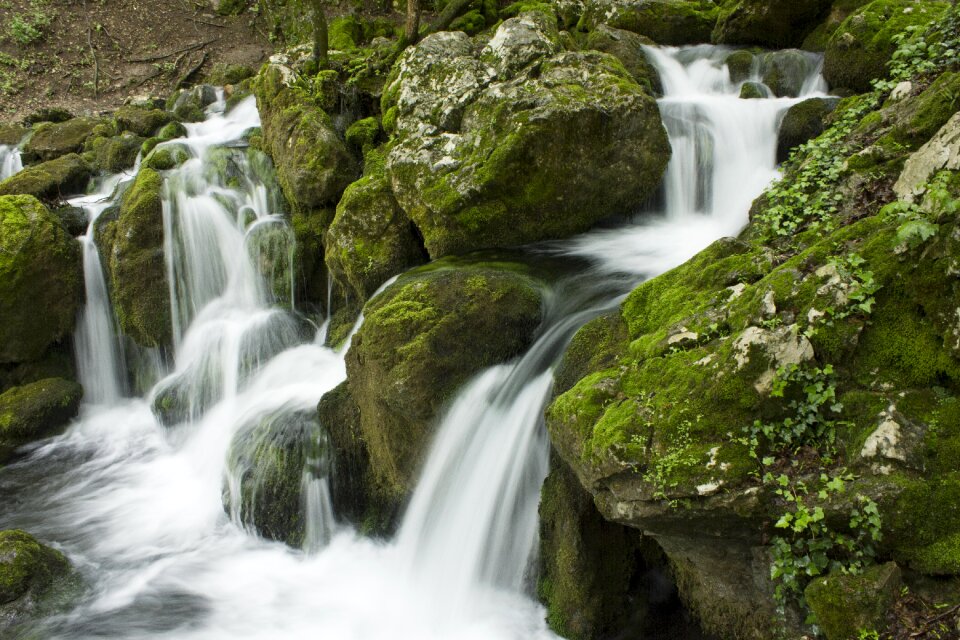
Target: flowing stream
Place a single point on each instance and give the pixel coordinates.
(10, 162)
(139, 507)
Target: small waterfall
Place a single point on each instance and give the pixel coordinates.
(100, 360)
(10, 162)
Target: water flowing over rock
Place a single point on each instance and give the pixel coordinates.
(517, 141)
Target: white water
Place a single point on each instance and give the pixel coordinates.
(139, 507)
(10, 162)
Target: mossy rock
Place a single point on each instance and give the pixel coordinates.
(753, 91)
(345, 33)
(371, 239)
(231, 7)
(189, 105)
(50, 181)
(171, 131)
(313, 162)
(133, 249)
(627, 47)
(143, 122)
(32, 577)
(588, 565)
(666, 22)
(12, 134)
(57, 362)
(785, 72)
(48, 114)
(166, 157)
(119, 153)
(421, 339)
(859, 50)
(362, 134)
(268, 458)
(740, 65)
(52, 140)
(818, 39)
(802, 123)
(523, 158)
(74, 219)
(229, 74)
(776, 24)
(845, 605)
(41, 279)
(35, 411)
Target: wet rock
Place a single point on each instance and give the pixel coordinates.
(35, 411)
(189, 104)
(666, 22)
(785, 72)
(50, 181)
(12, 134)
(118, 153)
(421, 340)
(777, 24)
(627, 47)
(803, 122)
(740, 65)
(74, 219)
(51, 141)
(41, 279)
(753, 91)
(31, 574)
(142, 122)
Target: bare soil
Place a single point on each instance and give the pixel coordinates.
(91, 55)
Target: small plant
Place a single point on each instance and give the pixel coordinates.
(861, 287)
(27, 27)
(918, 224)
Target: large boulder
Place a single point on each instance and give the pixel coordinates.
(421, 339)
(777, 24)
(666, 22)
(518, 141)
(627, 47)
(41, 279)
(371, 238)
(50, 181)
(141, 121)
(314, 164)
(31, 574)
(132, 243)
(858, 51)
(12, 134)
(36, 410)
(52, 140)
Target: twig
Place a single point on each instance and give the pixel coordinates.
(212, 24)
(96, 64)
(192, 47)
(185, 77)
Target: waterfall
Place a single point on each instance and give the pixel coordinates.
(139, 506)
(10, 162)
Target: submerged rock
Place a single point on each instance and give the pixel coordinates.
(421, 340)
(30, 575)
(41, 279)
(519, 141)
(36, 410)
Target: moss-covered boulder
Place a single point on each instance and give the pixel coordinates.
(41, 279)
(421, 339)
(36, 410)
(267, 460)
(132, 244)
(803, 122)
(817, 39)
(785, 72)
(519, 141)
(371, 239)
(753, 91)
(52, 140)
(50, 181)
(314, 164)
(189, 105)
(777, 24)
(846, 605)
(30, 574)
(12, 134)
(166, 157)
(141, 121)
(627, 47)
(858, 51)
(118, 153)
(741, 64)
(666, 22)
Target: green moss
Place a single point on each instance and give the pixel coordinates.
(846, 604)
(777, 25)
(918, 119)
(142, 122)
(362, 134)
(471, 23)
(224, 74)
(36, 410)
(231, 7)
(52, 140)
(50, 181)
(41, 279)
(166, 157)
(119, 153)
(171, 131)
(666, 22)
(26, 565)
(925, 523)
(12, 134)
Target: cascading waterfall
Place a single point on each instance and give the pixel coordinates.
(139, 507)
(10, 161)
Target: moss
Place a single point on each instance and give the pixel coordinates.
(166, 157)
(41, 279)
(231, 7)
(776, 24)
(924, 525)
(345, 32)
(36, 410)
(142, 122)
(136, 267)
(844, 605)
(224, 74)
(666, 22)
(119, 153)
(918, 119)
(859, 50)
(752, 91)
(50, 181)
(27, 566)
(472, 22)
(362, 134)
(740, 65)
(596, 346)
(627, 47)
(421, 339)
(50, 141)
(12, 134)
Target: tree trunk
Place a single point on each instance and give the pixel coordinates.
(320, 36)
(411, 32)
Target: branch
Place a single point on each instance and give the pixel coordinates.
(192, 47)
